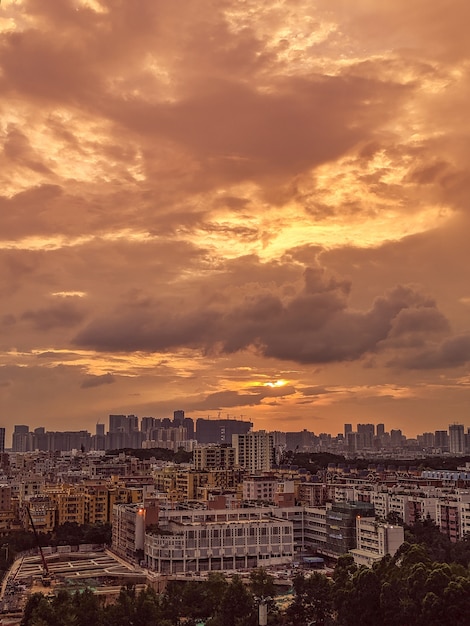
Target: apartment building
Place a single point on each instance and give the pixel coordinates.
(129, 525)
(260, 488)
(43, 512)
(453, 515)
(214, 457)
(254, 451)
(374, 540)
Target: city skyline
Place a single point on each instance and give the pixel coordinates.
(207, 431)
(251, 209)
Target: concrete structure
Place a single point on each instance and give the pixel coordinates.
(456, 439)
(374, 540)
(220, 430)
(214, 457)
(227, 545)
(260, 488)
(129, 525)
(254, 451)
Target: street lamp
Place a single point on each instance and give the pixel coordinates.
(263, 610)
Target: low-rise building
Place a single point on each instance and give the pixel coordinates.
(374, 540)
(227, 545)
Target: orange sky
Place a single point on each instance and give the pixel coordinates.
(242, 207)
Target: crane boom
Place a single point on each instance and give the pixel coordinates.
(46, 573)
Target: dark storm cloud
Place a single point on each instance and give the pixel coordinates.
(97, 381)
(314, 326)
(452, 352)
(57, 315)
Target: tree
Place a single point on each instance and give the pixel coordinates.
(313, 600)
(237, 607)
(88, 609)
(262, 583)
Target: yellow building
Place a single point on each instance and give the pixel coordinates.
(180, 484)
(43, 510)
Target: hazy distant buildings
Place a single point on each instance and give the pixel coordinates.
(123, 432)
(366, 433)
(441, 440)
(301, 441)
(396, 438)
(220, 430)
(2, 440)
(456, 439)
(21, 439)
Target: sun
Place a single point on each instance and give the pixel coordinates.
(277, 383)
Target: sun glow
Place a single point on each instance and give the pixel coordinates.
(277, 383)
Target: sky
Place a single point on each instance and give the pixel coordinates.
(246, 208)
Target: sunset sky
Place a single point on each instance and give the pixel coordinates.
(250, 208)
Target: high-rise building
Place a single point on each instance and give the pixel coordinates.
(300, 441)
(254, 451)
(441, 440)
(366, 434)
(2, 440)
(456, 439)
(117, 423)
(21, 438)
(146, 424)
(347, 429)
(396, 438)
(220, 430)
(380, 431)
(178, 418)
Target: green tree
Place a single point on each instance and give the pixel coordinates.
(88, 609)
(261, 583)
(172, 602)
(237, 607)
(313, 600)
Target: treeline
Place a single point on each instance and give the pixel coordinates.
(160, 454)
(314, 462)
(407, 590)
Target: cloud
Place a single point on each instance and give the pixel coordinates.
(57, 315)
(315, 325)
(233, 185)
(255, 396)
(97, 381)
(452, 352)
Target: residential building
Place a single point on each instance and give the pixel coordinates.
(254, 451)
(214, 457)
(374, 540)
(456, 439)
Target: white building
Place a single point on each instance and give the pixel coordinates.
(260, 488)
(374, 540)
(179, 547)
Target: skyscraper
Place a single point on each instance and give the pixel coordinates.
(178, 418)
(21, 438)
(456, 439)
(2, 440)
